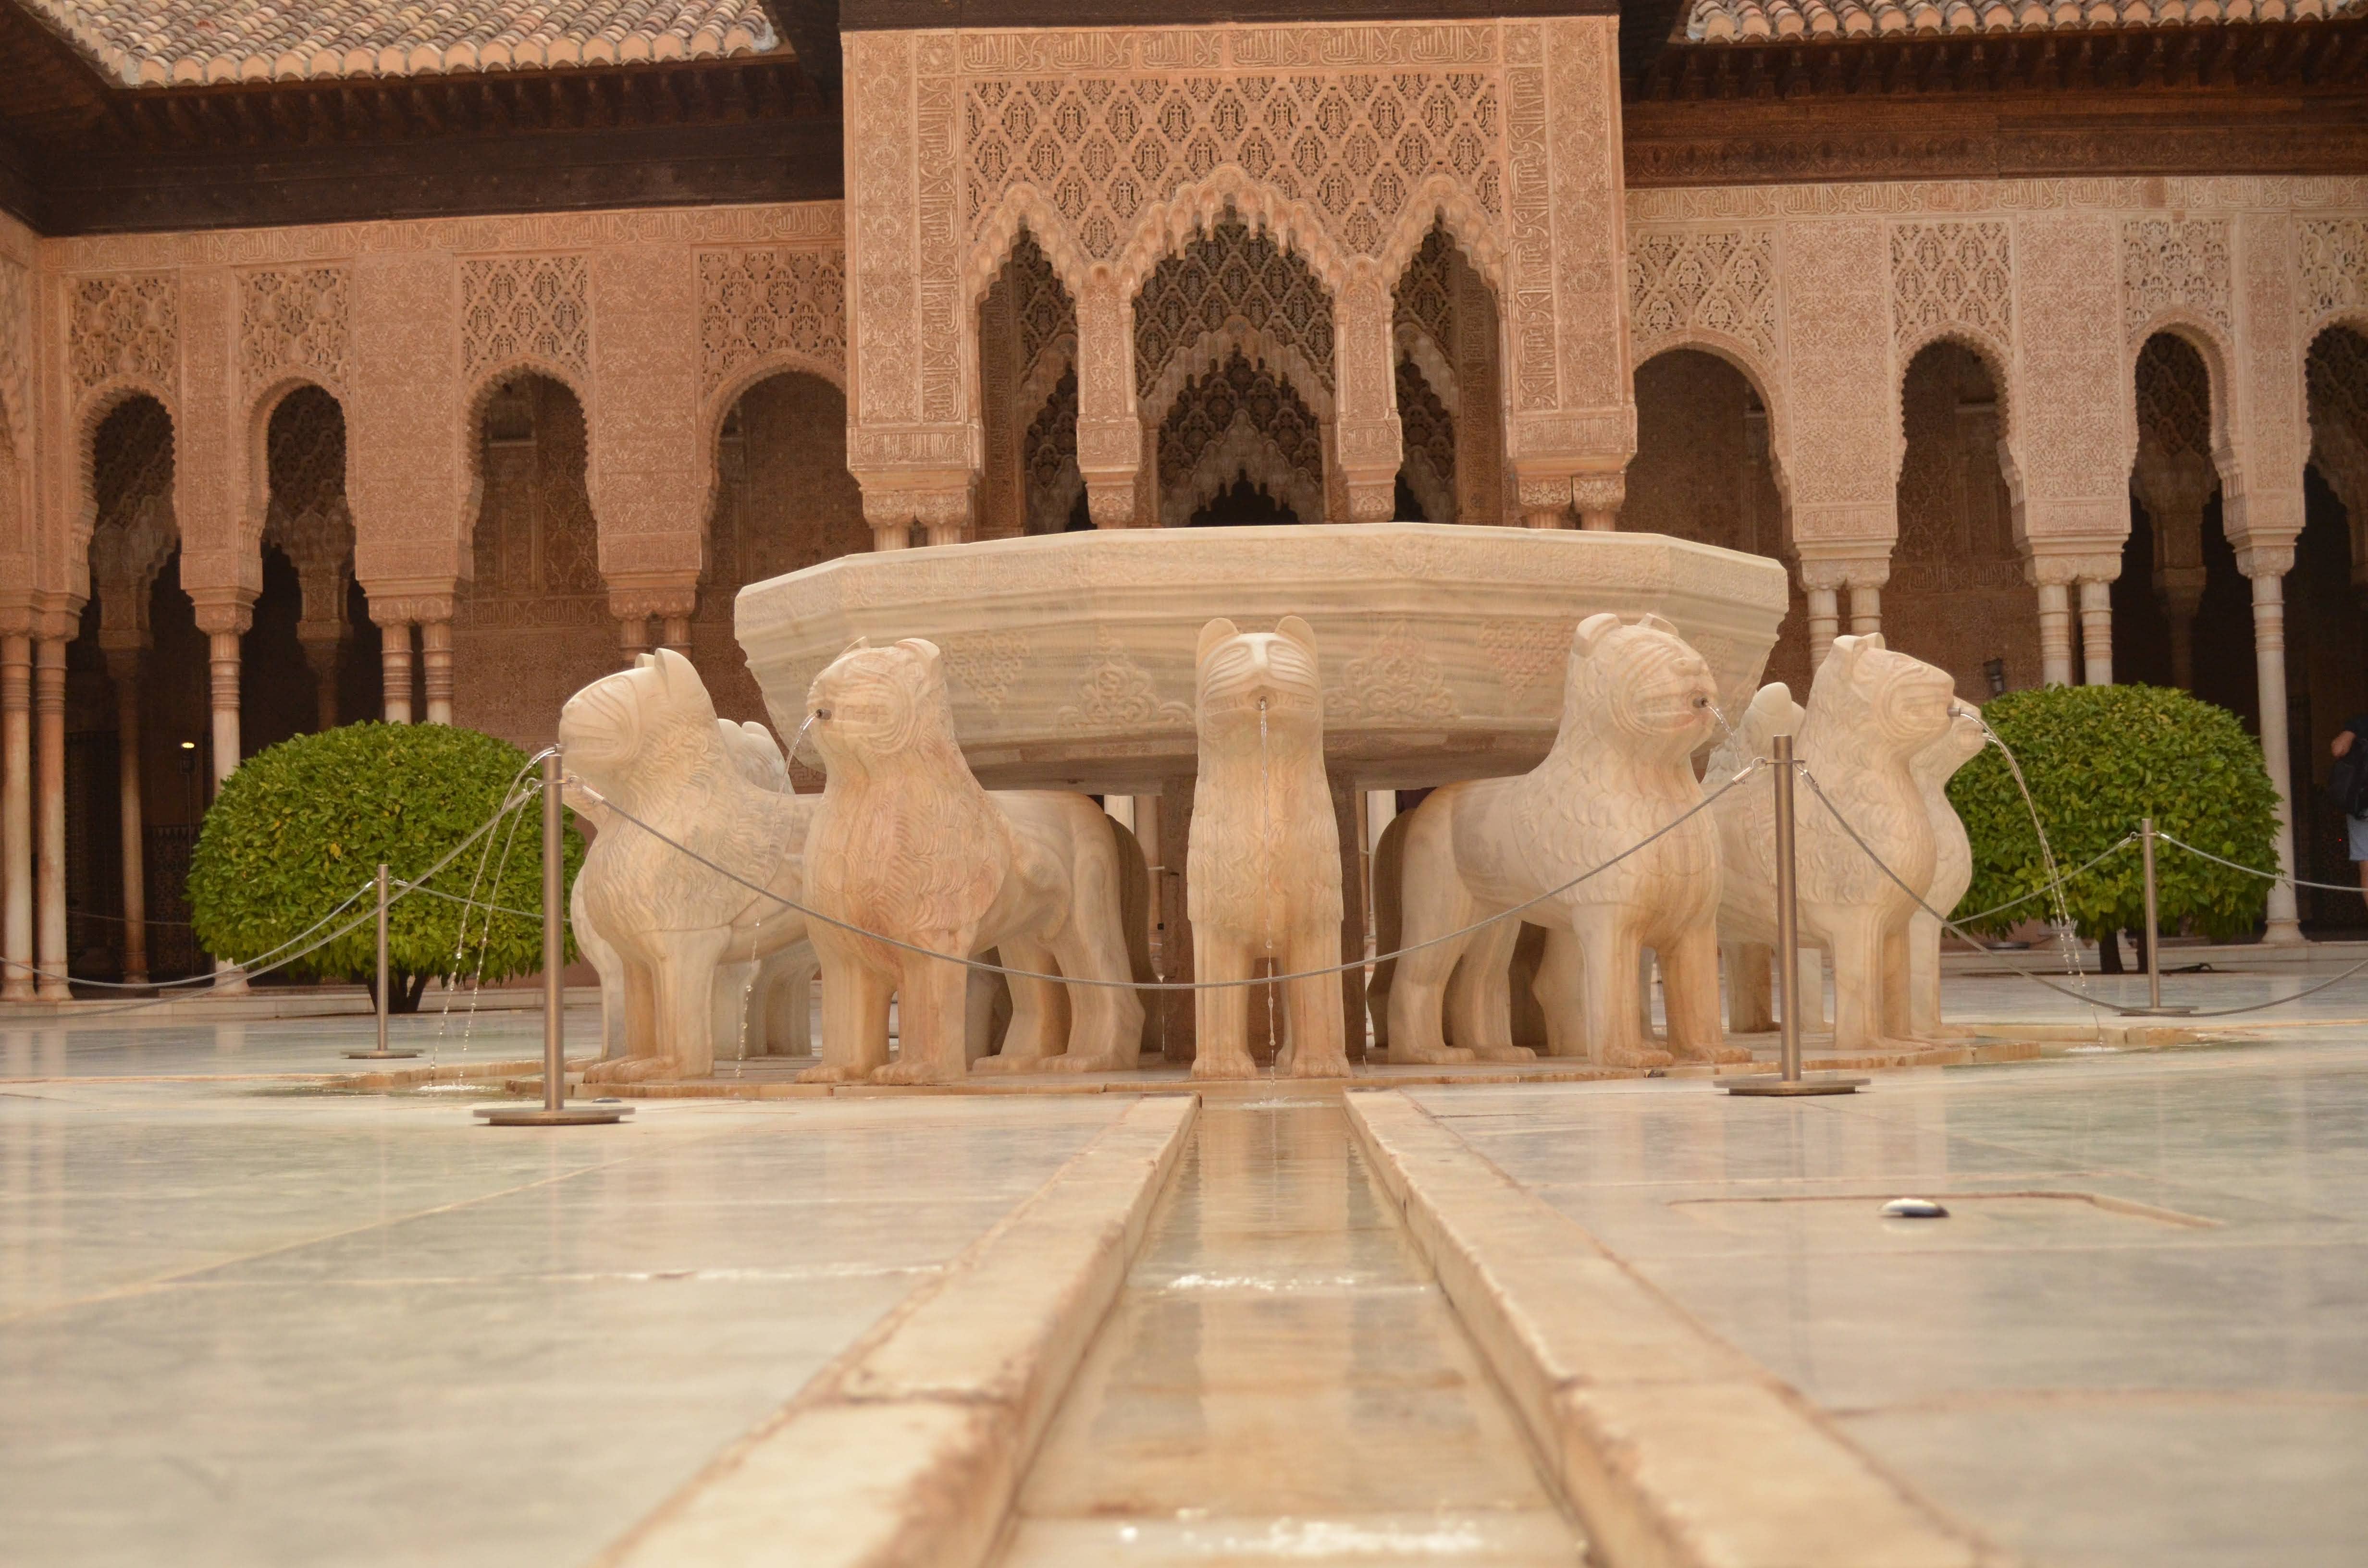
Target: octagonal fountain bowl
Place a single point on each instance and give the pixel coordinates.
(1070, 656)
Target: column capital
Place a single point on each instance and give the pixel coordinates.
(410, 601)
(2270, 558)
(938, 500)
(224, 612)
(1826, 567)
(21, 612)
(638, 596)
(2061, 568)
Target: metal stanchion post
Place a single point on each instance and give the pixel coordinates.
(555, 1111)
(381, 1053)
(2153, 1007)
(1789, 1079)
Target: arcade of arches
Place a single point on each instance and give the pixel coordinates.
(257, 481)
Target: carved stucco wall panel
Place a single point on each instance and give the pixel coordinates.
(648, 484)
(217, 498)
(2334, 268)
(2264, 503)
(408, 472)
(2072, 388)
(294, 322)
(770, 305)
(2174, 267)
(1836, 277)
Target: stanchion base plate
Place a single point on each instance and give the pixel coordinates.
(565, 1116)
(377, 1055)
(2154, 1012)
(1807, 1084)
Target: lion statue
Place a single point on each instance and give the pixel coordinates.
(1953, 865)
(905, 844)
(1637, 702)
(764, 1009)
(1870, 712)
(1263, 872)
(647, 743)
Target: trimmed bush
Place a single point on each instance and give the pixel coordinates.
(299, 828)
(2097, 759)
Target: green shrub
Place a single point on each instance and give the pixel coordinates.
(301, 826)
(2097, 759)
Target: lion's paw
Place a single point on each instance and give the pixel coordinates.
(1504, 1053)
(631, 1070)
(1207, 1066)
(831, 1072)
(1320, 1065)
(1723, 1054)
(913, 1071)
(1006, 1063)
(1093, 1062)
(1428, 1055)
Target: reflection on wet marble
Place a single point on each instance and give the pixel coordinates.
(1281, 1381)
(2140, 1339)
(248, 1329)
(128, 1044)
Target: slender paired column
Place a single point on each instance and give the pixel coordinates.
(2183, 594)
(16, 813)
(1598, 498)
(1823, 578)
(2054, 569)
(123, 673)
(670, 599)
(1865, 610)
(2096, 632)
(2267, 566)
(2054, 634)
(394, 667)
(436, 668)
(50, 724)
(224, 617)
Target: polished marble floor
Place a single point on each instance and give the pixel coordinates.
(2139, 1341)
(240, 1326)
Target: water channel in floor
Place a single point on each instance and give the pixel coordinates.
(1281, 1380)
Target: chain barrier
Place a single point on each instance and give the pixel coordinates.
(281, 956)
(1666, 828)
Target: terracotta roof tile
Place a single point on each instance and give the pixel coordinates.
(1755, 21)
(155, 42)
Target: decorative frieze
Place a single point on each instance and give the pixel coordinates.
(521, 309)
(294, 319)
(2173, 264)
(1722, 283)
(756, 304)
(124, 327)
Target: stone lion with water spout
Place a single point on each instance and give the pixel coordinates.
(1870, 712)
(1637, 702)
(647, 743)
(906, 845)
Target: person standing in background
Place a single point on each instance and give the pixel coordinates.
(2347, 785)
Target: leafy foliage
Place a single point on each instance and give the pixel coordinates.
(301, 827)
(2098, 758)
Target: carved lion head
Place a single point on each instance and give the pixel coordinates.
(875, 706)
(652, 721)
(1241, 671)
(1938, 762)
(1634, 682)
(1877, 702)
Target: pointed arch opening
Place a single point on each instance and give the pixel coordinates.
(1957, 596)
(1444, 332)
(1028, 479)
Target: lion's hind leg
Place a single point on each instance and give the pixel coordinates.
(854, 1022)
(1038, 1029)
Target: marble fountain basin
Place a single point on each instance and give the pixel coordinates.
(1070, 656)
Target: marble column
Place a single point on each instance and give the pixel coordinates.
(667, 598)
(1824, 623)
(2267, 566)
(224, 618)
(323, 647)
(1598, 497)
(394, 667)
(2183, 594)
(436, 668)
(123, 673)
(1111, 441)
(2174, 490)
(49, 748)
(1865, 610)
(2054, 634)
(1370, 440)
(2096, 632)
(17, 813)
